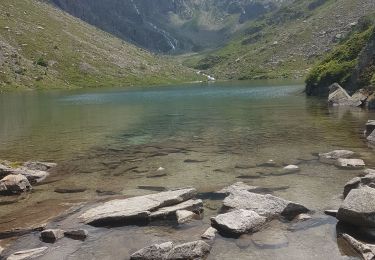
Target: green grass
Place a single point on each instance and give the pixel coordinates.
(277, 45)
(50, 49)
(339, 65)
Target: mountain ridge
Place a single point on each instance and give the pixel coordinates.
(43, 47)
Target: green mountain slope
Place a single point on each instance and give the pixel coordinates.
(42, 47)
(284, 43)
(351, 63)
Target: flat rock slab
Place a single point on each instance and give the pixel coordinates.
(238, 222)
(351, 164)
(169, 251)
(189, 205)
(28, 254)
(333, 156)
(128, 211)
(358, 208)
(265, 205)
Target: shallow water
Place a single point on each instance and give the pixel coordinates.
(205, 136)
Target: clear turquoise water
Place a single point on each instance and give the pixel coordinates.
(98, 135)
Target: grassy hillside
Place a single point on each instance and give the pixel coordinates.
(351, 63)
(42, 47)
(285, 43)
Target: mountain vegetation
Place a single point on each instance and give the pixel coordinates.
(43, 47)
(351, 63)
(284, 43)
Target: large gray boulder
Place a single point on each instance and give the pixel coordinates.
(366, 251)
(332, 157)
(28, 254)
(265, 205)
(14, 184)
(358, 208)
(358, 182)
(169, 251)
(339, 97)
(238, 222)
(137, 209)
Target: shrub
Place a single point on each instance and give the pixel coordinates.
(41, 62)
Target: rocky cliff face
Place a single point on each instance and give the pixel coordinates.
(169, 26)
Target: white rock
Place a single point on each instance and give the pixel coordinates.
(238, 222)
(136, 208)
(333, 156)
(28, 254)
(14, 184)
(350, 163)
(184, 216)
(209, 234)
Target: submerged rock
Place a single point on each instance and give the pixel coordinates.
(34, 176)
(28, 254)
(238, 222)
(265, 205)
(351, 164)
(290, 169)
(270, 239)
(39, 166)
(209, 234)
(366, 251)
(269, 163)
(370, 127)
(333, 156)
(358, 208)
(128, 211)
(339, 97)
(238, 186)
(14, 184)
(168, 251)
(80, 234)
(51, 235)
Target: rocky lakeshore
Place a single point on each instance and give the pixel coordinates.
(244, 211)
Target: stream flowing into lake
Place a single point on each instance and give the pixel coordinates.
(110, 142)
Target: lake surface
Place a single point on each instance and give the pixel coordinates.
(111, 142)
